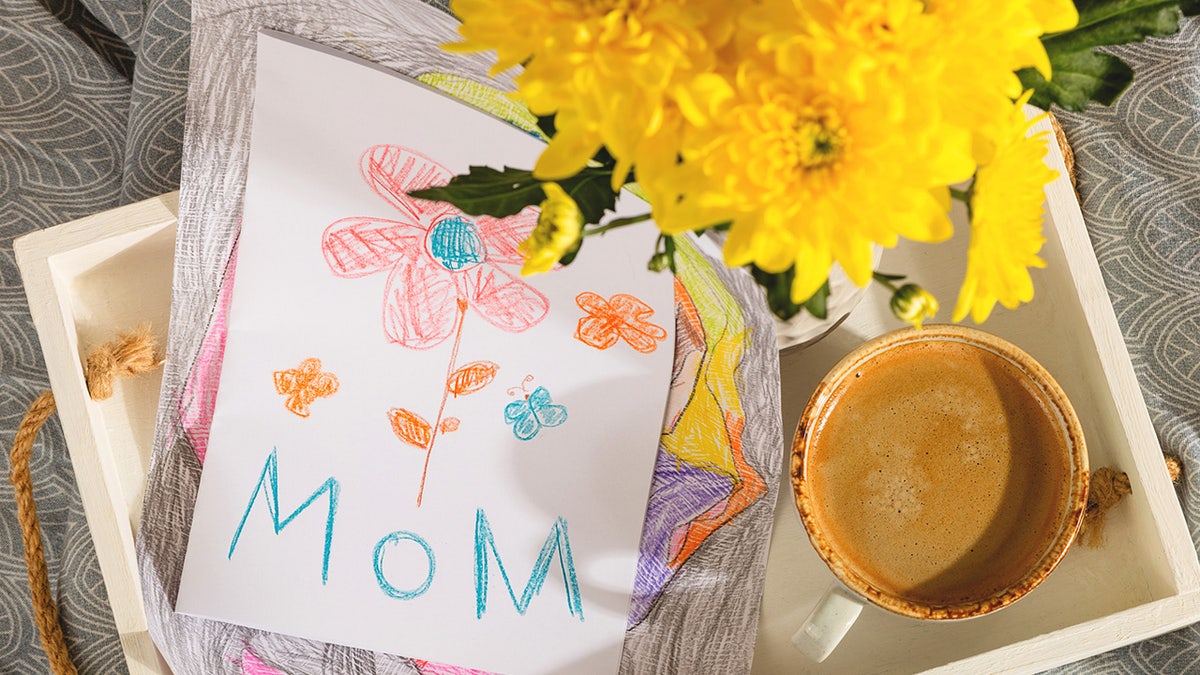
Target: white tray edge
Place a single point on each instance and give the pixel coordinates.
(93, 457)
(1172, 528)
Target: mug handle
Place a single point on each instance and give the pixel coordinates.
(828, 623)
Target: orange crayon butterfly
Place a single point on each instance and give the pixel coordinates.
(304, 384)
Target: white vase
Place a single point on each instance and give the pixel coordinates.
(805, 329)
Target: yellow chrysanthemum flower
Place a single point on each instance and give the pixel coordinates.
(983, 44)
(956, 57)
(849, 43)
(559, 227)
(818, 128)
(604, 67)
(808, 178)
(1006, 222)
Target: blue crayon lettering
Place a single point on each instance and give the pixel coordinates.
(270, 480)
(391, 540)
(556, 541)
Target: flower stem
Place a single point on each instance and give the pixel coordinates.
(437, 425)
(964, 196)
(614, 224)
(886, 280)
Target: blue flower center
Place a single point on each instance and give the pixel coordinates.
(455, 243)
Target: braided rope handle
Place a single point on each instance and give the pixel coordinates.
(130, 354)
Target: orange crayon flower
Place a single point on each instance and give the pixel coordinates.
(620, 317)
(304, 384)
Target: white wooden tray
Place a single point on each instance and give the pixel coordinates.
(1143, 582)
(86, 281)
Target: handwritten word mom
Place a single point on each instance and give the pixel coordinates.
(558, 545)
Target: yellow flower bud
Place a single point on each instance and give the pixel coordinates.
(558, 230)
(913, 304)
(659, 262)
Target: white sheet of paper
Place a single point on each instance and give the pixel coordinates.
(280, 489)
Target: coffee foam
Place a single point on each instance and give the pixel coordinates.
(940, 475)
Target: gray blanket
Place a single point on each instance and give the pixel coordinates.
(91, 116)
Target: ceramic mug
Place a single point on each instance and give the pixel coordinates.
(940, 474)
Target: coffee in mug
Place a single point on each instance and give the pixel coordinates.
(940, 473)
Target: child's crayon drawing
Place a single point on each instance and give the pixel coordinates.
(486, 98)
(621, 317)
(252, 664)
(435, 255)
(304, 384)
(440, 262)
(471, 377)
(386, 586)
(529, 414)
(558, 545)
(417, 310)
(701, 477)
(431, 668)
(414, 429)
(199, 397)
(268, 487)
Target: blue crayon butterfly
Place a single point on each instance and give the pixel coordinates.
(530, 414)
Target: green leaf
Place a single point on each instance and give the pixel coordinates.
(1078, 78)
(502, 193)
(817, 305)
(1080, 73)
(669, 250)
(592, 191)
(1117, 22)
(778, 287)
(486, 191)
(569, 256)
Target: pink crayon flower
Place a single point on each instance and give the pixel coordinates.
(435, 255)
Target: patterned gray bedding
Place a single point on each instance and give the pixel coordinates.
(91, 117)
(92, 100)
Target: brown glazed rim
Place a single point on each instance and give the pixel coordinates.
(1076, 502)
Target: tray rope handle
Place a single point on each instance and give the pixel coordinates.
(1107, 486)
(128, 355)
